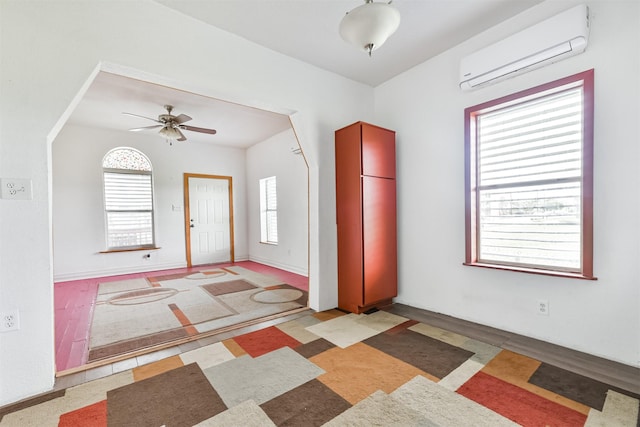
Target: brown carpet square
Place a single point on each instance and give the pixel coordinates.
(573, 386)
(180, 397)
(425, 353)
(311, 404)
(222, 288)
(168, 277)
(314, 347)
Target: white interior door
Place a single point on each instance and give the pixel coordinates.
(209, 220)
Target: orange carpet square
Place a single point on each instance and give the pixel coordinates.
(517, 369)
(152, 369)
(90, 416)
(234, 347)
(511, 367)
(517, 404)
(265, 340)
(357, 371)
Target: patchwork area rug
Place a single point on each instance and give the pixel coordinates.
(138, 313)
(337, 369)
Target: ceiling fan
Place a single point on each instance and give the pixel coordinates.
(171, 126)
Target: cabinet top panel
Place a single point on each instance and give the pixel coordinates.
(365, 149)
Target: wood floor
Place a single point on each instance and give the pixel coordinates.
(606, 371)
(74, 302)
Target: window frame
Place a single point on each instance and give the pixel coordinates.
(586, 81)
(265, 210)
(129, 170)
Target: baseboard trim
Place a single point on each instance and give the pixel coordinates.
(82, 275)
(281, 266)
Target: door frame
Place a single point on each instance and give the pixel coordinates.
(187, 212)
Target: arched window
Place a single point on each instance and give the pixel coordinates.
(128, 199)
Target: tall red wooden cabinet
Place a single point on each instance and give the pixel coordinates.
(366, 216)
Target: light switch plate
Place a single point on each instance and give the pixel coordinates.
(15, 188)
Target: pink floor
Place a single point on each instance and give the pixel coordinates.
(74, 302)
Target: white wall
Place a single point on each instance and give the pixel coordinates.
(426, 107)
(49, 50)
(78, 213)
(273, 157)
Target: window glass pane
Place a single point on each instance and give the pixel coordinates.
(529, 169)
(126, 158)
(537, 225)
(272, 226)
(127, 229)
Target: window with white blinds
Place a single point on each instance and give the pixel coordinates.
(128, 201)
(530, 170)
(268, 211)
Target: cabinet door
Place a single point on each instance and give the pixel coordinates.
(379, 239)
(378, 151)
(349, 217)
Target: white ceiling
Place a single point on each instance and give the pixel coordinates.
(302, 29)
(110, 95)
(308, 29)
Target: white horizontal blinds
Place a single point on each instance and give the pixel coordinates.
(268, 210)
(128, 191)
(129, 209)
(529, 182)
(272, 210)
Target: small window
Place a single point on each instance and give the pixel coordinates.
(529, 180)
(128, 199)
(268, 211)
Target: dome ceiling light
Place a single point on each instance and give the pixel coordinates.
(368, 26)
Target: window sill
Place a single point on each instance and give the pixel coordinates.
(269, 243)
(531, 270)
(149, 248)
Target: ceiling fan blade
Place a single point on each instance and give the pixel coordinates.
(182, 137)
(196, 129)
(142, 117)
(146, 128)
(182, 118)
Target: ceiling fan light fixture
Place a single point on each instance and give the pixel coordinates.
(368, 26)
(171, 126)
(170, 132)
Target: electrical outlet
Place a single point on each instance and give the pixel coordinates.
(9, 321)
(543, 307)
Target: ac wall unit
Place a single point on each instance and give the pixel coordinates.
(556, 38)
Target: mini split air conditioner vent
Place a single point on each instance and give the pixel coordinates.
(556, 38)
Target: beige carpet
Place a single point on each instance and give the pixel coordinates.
(137, 313)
